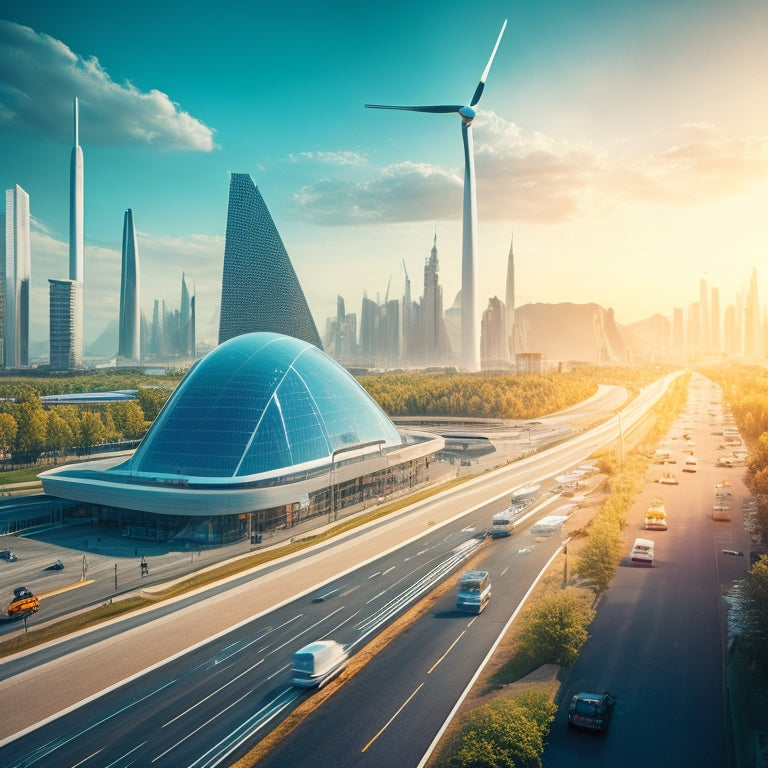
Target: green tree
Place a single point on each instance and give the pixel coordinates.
(151, 400)
(755, 591)
(92, 430)
(31, 434)
(555, 627)
(601, 554)
(505, 733)
(8, 430)
(58, 433)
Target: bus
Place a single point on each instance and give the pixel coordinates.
(474, 591)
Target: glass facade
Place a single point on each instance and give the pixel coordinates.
(259, 287)
(260, 402)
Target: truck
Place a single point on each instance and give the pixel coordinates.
(317, 663)
(23, 603)
(474, 591)
(503, 522)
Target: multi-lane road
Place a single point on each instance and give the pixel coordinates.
(199, 681)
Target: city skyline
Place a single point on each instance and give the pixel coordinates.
(623, 148)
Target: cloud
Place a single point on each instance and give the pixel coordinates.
(535, 178)
(39, 77)
(329, 158)
(402, 192)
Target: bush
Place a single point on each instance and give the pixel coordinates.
(505, 733)
(601, 554)
(554, 628)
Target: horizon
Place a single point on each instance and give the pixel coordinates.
(623, 149)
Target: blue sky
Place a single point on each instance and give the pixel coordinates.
(624, 145)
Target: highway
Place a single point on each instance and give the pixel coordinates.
(659, 641)
(218, 698)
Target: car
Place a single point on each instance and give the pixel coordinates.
(643, 552)
(656, 516)
(591, 711)
(668, 478)
(9, 555)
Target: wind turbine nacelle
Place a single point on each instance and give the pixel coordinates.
(467, 114)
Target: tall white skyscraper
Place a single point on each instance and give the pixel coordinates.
(76, 233)
(16, 275)
(129, 339)
(510, 305)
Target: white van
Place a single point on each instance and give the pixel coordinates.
(474, 591)
(315, 664)
(642, 552)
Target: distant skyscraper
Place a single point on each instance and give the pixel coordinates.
(706, 321)
(259, 287)
(493, 335)
(753, 337)
(15, 284)
(678, 333)
(714, 315)
(64, 308)
(76, 239)
(129, 334)
(187, 313)
(510, 305)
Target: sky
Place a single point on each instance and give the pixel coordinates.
(621, 146)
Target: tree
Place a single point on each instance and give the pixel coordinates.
(505, 733)
(92, 430)
(31, 434)
(601, 555)
(555, 628)
(8, 430)
(58, 434)
(151, 400)
(755, 591)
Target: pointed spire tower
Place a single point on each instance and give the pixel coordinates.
(510, 305)
(129, 345)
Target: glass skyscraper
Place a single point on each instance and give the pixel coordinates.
(66, 301)
(259, 287)
(129, 336)
(15, 284)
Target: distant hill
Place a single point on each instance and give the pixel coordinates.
(575, 332)
(106, 344)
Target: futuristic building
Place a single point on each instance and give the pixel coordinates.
(129, 333)
(265, 431)
(76, 246)
(65, 297)
(16, 263)
(259, 287)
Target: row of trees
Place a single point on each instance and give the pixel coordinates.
(29, 431)
(477, 395)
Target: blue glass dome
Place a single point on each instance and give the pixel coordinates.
(257, 403)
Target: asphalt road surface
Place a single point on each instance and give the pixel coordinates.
(659, 638)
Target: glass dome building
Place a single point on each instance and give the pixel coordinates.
(261, 402)
(265, 431)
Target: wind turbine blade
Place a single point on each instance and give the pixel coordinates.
(442, 109)
(484, 77)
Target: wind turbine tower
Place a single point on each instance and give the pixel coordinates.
(470, 331)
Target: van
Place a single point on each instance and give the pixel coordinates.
(642, 552)
(474, 591)
(315, 664)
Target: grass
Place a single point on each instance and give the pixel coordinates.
(28, 475)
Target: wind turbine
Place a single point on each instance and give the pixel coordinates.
(470, 342)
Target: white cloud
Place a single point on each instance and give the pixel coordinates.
(537, 179)
(347, 158)
(40, 76)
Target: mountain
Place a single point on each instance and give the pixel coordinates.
(574, 332)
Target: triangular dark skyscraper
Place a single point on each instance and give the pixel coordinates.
(259, 287)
